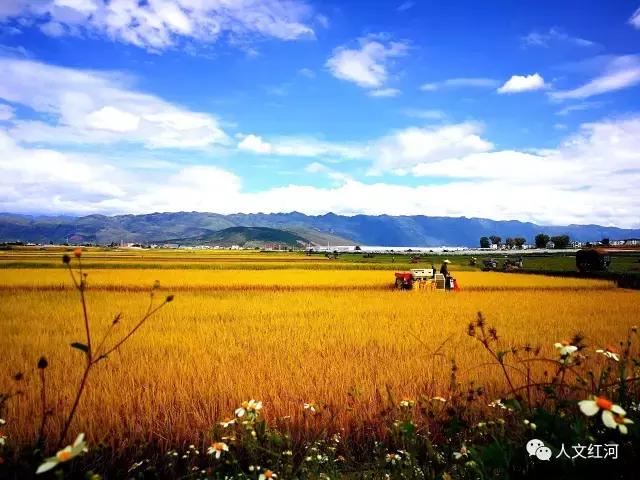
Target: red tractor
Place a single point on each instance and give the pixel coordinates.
(405, 280)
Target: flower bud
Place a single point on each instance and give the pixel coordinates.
(43, 363)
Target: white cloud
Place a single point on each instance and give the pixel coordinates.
(300, 147)
(160, 24)
(384, 92)
(315, 167)
(255, 144)
(319, 168)
(406, 148)
(635, 19)
(367, 65)
(575, 164)
(472, 82)
(91, 107)
(523, 83)
(6, 112)
(396, 152)
(621, 72)
(568, 184)
(554, 36)
(578, 107)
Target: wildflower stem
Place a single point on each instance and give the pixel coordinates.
(84, 311)
(43, 401)
(133, 330)
(76, 402)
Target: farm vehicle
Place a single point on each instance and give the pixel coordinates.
(424, 279)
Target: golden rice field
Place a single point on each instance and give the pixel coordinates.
(286, 336)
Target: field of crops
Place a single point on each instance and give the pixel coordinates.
(338, 338)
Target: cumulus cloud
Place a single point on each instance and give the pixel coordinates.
(81, 106)
(470, 82)
(575, 164)
(619, 73)
(555, 36)
(300, 147)
(396, 152)
(567, 184)
(255, 144)
(523, 83)
(406, 148)
(367, 64)
(635, 19)
(157, 25)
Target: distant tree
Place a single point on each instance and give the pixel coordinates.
(561, 241)
(358, 248)
(495, 239)
(541, 240)
(510, 242)
(520, 241)
(485, 242)
(605, 241)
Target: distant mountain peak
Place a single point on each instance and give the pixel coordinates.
(383, 230)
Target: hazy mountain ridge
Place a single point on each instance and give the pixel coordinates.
(245, 237)
(384, 230)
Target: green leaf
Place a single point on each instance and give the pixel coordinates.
(408, 428)
(80, 346)
(512, 404)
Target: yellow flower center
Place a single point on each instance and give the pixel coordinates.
(63, 455)
(603, 403)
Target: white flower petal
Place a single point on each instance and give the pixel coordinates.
(623, 429)
(617, 409)
(608, 420)
(588, 407)
(48, 464)
(79, 440)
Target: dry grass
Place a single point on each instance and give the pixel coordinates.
(231, 279)
(339, 339)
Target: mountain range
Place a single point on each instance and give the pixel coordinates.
(194, 227)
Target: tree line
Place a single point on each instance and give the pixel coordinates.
(541, 240)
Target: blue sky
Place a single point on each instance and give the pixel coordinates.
(505, 110)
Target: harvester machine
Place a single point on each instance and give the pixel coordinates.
(420, 278)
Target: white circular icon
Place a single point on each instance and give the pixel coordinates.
(533, 445)
(543, 453)
(536, 447)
